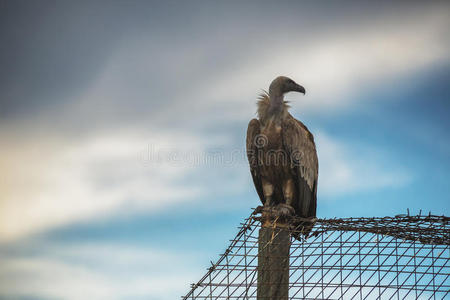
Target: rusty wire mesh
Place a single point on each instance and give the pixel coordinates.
(401, 257)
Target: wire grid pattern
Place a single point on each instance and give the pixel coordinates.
(401, 257)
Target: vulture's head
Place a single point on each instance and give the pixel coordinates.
(282, 85)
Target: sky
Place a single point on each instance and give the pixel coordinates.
(122, 129)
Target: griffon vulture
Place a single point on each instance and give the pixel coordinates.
(282, 155)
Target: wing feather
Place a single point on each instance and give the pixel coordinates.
(299, 144)
(252, 152)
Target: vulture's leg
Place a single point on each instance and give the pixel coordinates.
(268, 192)
(288, 191)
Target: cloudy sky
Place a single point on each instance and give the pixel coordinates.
(122, 128)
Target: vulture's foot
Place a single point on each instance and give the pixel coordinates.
(258, 210)
(284, 210)
(279, 214)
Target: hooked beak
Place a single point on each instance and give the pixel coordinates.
(300, 89)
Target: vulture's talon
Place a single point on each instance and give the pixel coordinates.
(285, 210)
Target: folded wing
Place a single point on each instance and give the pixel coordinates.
(253, 131)
(299, 144)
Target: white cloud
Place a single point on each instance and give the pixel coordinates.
(337, 65)
(48, 183)
(346, 168)
(98, 271)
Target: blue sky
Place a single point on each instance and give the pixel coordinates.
(123, 127)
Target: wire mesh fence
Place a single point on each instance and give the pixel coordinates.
(401, 257)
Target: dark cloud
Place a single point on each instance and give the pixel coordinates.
(70, 69)
(53, 52)
(50, 52)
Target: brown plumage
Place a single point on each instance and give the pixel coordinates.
(282, 155)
